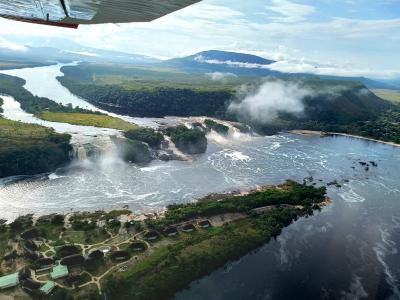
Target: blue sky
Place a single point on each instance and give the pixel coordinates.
(345, 37)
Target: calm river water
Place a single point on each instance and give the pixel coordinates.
(347, 251)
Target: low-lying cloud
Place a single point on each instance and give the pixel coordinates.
(221, 76)
(263, 104)
(202, 59)
(5, 44)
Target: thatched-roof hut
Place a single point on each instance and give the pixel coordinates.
(30, 285)
(151, 235)
(24, 273)
(30, 233)
(45, 262)
(120, 255)
(11, 255)
(73, 260)
(68, 250)
(188, 227)
(204, 223)
(96, 254)
(33, 255)
(137, 246)
(171, 231)
(30, 245)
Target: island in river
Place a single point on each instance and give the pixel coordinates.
(115, 254)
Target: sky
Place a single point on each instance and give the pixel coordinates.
(342, 37)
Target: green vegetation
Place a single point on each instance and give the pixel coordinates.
(171, 268)
(390, 95)
(18, 64)
(31, 149)
(147, 93)
(13, 86)
(218, 127)
(292, 194)
(87, 119)
(146, 135)
(191, 141)
(385, 128)
(1, 104)
(50, 227)
(132, 150)
(92, 236)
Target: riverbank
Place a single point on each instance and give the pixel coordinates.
(187, 242)
(324, 134)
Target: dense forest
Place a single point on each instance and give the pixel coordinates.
(28, 149)
(157, 102)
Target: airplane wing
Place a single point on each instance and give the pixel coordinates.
(72, 13)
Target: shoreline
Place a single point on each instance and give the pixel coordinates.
(128, 215)
(324, 134)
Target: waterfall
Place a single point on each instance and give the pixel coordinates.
(81, 153)
(177, 154)
(94, 149)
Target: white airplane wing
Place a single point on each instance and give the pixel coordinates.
(72, 13)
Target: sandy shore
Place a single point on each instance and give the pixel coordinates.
(321, 133)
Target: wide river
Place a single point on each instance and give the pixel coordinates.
(347, 251)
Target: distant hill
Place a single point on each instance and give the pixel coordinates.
(44, 55)
(240, 64)
(226, 56)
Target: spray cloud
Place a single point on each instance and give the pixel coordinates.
(263, 104)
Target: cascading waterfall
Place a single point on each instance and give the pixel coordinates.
(79, 152)
(94, 149)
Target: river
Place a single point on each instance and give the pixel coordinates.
(349, 250)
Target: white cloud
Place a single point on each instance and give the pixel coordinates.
(85, 53)
(287, 66)
(202, 59)
(273, 96)
(12, 46)
(289, 12)
(220, 76)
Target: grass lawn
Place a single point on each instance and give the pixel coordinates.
(86, 237)
(87, 120)
(18, 130)
(390, 95)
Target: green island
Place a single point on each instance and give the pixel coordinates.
(28, 149)
(134, 151)
(218, 127)
(187, 140)
(147, 135)
(87, 119)
(87, 255)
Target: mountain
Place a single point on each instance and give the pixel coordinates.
(87, 54)
(240, 64)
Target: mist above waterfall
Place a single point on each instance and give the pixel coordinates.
(264, 103)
